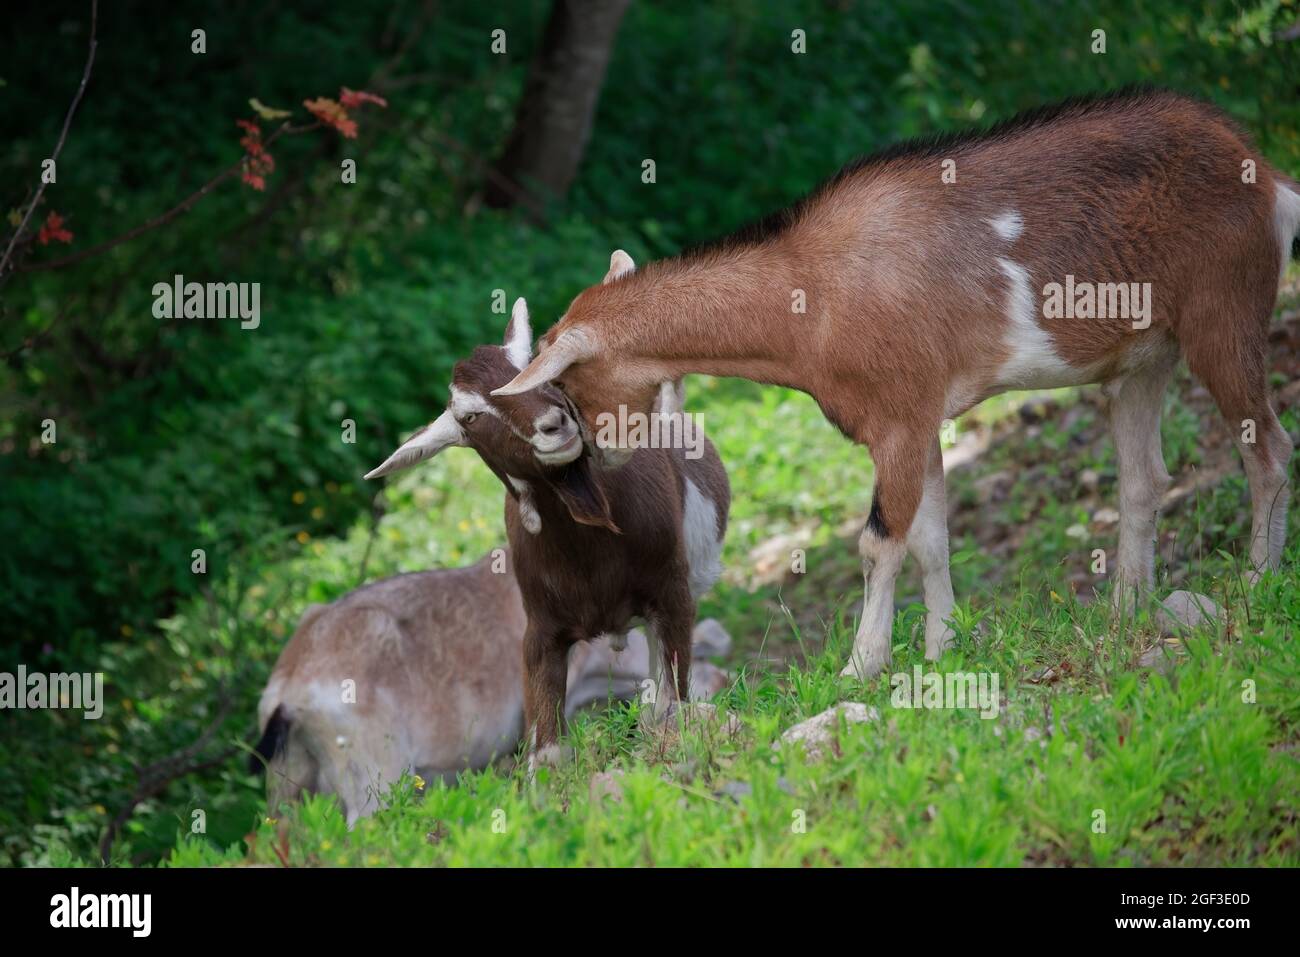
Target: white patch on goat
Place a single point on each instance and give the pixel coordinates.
(1286, 218)
(527, 507)
(1008, 226)
(464, 402)
(1033, 362)
(703, 547)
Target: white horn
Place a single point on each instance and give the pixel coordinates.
(572, 346)
(426, 443)
(519, 336)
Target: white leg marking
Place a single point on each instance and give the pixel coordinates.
(873, 643)
(660, 686)
(1286, 217)
(1270, 491)
(927, 540)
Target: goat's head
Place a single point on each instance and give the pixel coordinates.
(524, 437)
(527, 435)
(604, 388)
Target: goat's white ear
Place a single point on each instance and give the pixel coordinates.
(620, 265)
(572, 346)
(519, 335)
(424, 444)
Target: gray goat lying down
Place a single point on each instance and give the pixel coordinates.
(423, 673)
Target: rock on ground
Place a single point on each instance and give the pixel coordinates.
(819, 734)
(1186, 609)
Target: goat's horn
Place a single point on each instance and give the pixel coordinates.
(426, 443)
(572, 346)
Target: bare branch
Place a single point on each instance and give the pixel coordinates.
(163, 218)
(67, 123)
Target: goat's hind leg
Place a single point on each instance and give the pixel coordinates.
(668, 635)
(1265, 460)
(1238, 380)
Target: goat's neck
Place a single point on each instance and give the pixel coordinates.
(733, 314)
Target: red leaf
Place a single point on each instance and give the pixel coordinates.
(355, 98)
(332, 114)
(258, 163)
(52, 230)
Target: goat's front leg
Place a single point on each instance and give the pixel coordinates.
(900, 479)
(668, 635)
(545, 681)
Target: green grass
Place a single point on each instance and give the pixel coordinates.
(1182, 768)
(1190, 761)
(184, 436)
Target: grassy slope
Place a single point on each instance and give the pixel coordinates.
(1192, 761)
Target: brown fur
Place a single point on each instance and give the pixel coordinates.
(907, 310)
(611, 545)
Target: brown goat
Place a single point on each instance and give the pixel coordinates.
(592, 549)
(906, 290)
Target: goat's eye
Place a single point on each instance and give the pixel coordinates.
(558, 384)
(471, 417)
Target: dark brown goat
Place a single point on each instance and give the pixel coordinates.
(592, 549)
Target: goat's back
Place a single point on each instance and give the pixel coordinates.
(419, 671)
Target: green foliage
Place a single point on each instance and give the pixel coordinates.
(174, 436)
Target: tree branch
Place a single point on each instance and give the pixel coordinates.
(163, 218)
(67, 124)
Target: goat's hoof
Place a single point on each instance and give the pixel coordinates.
(862, 672)
(551, 756)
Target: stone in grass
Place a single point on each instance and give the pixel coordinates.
(710, 640)
(818, 734)
(606, 784)
(735, 790)
(1186, 609)
(695, 716)
(1161, 656)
